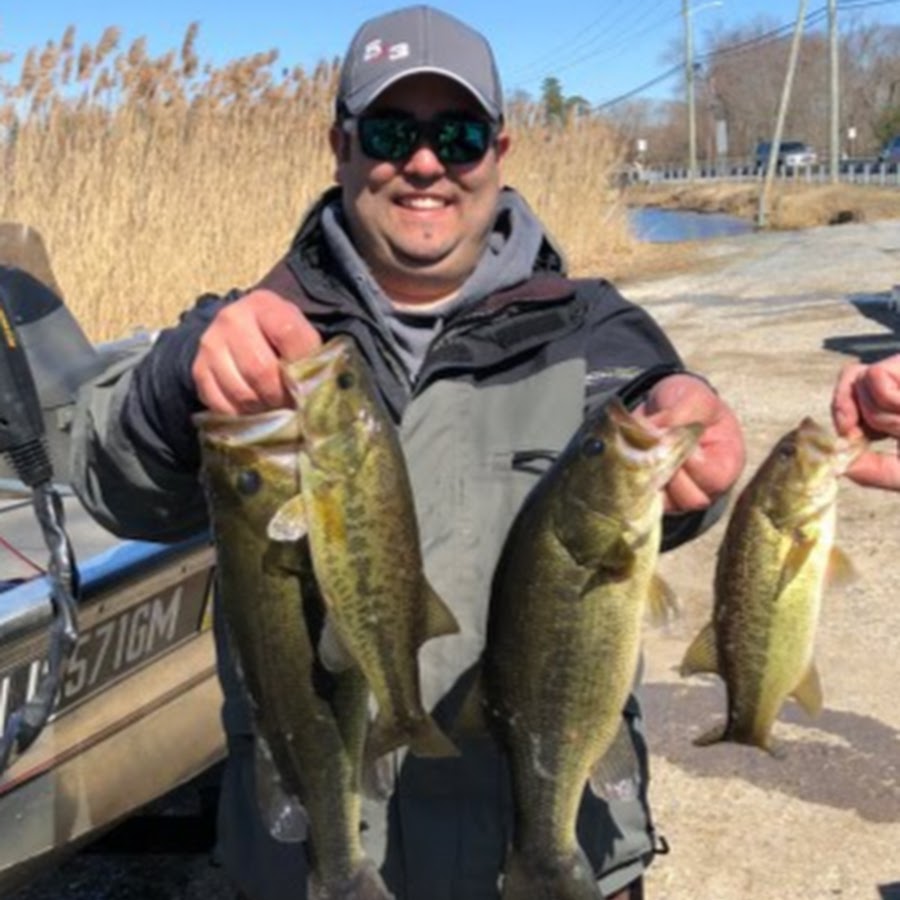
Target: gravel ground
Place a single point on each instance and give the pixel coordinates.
(771, 323)
(771, 326)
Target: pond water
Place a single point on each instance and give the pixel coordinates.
(660, 226)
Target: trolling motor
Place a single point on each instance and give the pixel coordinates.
(22, 441)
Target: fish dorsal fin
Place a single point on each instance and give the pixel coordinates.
(662, 603)
(808, 692)
(701, 655)
(439, 618)
(289, 522)
(617, 774)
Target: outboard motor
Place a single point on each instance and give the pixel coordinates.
(53, 345)
(33, 321)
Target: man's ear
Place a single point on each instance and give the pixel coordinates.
(502, 144)
(339, 139)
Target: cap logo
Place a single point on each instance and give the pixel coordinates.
(376, 49)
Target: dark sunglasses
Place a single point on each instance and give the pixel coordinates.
(455, 138)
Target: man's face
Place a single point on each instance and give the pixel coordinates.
(420, 224)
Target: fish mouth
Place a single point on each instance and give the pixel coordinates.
(642, 442)
(274, 426)
(826, 452)
(303, 377)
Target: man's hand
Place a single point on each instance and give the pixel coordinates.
(866, 401)
(717, 460)
(236, 368)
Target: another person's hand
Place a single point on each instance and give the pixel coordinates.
(866, 401)
(718, 459)
(236, 368)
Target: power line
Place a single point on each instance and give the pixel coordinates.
(613, 52)
(812, 18)
(618, 32)
(575, 44)
(665, 76)
(775, 34)
(851, 4)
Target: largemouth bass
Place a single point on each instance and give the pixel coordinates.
(313, 722)
(564, 633)
(770, 575)
(356, 506)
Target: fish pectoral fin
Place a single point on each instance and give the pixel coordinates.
(662, 603)
(617, 774)
(289, 522)
(840, 569)
(701, 655)
(332, 651)
(808, 692)
(597, 541)
(796, 558)
(439, 618)
(618, 557)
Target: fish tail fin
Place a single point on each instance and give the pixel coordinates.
(428, 739)
(570, 878)
(364, 884)
(384, 736)
(423, 736)
(724, 734)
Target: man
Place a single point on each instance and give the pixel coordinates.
(485, 354)
(866, 401)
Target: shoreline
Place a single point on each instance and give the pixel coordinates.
(792, 205)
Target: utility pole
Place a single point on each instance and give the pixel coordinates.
(689, 86)
(782, 113)
(835, 137)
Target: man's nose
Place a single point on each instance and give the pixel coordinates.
(424, 161)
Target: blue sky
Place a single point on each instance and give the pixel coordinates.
(597, 50)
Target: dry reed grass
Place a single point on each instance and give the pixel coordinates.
(155, 179)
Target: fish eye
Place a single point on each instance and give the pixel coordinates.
(593, 446)
(345, 380)
(787, 451)
(249, 481)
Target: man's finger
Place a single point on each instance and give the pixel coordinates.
(879, 470)
(287, 330)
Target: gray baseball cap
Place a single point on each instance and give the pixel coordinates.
(417, 39)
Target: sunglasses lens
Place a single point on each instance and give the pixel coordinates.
(388, 138)
(453, 139)
(461, 140)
